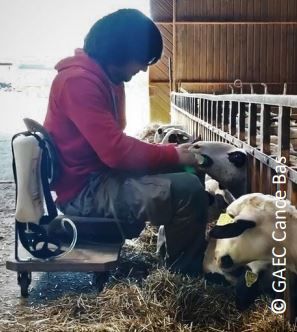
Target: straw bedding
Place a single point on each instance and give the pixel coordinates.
(141, 296)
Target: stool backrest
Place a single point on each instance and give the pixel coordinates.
(35, 167)
(54, 166)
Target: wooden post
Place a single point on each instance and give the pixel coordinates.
(174, 41)
(170, 72)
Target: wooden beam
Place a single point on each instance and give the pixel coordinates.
(174, 41)
(227, 22)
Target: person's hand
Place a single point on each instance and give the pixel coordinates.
(185, 156)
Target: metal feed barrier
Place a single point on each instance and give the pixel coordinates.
(263, 125)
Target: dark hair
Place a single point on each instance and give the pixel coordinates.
(123, 36)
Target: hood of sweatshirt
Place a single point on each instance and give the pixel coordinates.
(82, 60)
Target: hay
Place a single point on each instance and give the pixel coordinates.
(163, 302)
(160, 301)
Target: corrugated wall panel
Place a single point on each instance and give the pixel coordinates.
(236, 10)
(214, 42)
(160, 71)
(263, 53)
(161, 10)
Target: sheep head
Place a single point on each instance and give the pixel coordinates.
(163, 130)
(248, 235)
(177, 136)
(223, 162)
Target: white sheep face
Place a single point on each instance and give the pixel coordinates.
(223, 162)
(177, 136)
(249, 238)
(210, 264)
(163, 130)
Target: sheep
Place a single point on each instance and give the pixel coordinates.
(175, 135)
(162, 130)
(225, 163)
(249, 281)
(262, 226)
(156, 133)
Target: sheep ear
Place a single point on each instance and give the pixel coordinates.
(172, 138)
(238, 158)
(231, 230)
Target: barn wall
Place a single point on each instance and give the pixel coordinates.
(213, 42)
(159, 77)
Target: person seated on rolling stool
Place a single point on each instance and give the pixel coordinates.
(105, 172)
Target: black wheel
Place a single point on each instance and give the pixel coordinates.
(24, 280)
(100, 279)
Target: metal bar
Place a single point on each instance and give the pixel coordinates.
(290, 313)
(284, 133)
(265, 120)
(274, 100)
(253, 151)
(212, 113)
(219, 115)
(225, 115)
(265, 129)
(241, 121)
(232, 117)
(252, 125)
(223, 83)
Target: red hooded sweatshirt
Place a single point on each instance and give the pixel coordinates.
(86, 119)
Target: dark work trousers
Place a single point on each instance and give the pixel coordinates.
(176, 201)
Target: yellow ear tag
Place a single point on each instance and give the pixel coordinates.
(250, 278)
(224, 219)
